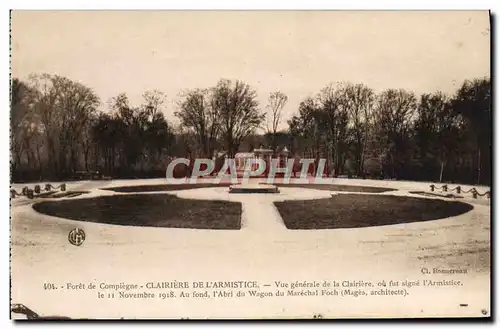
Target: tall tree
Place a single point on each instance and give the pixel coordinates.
(78, 104)
(159, 138)
(334, 105)
(473, 102)
(131, 122)
(395, 114)
(239, 113)
(87, 141)
(157, 131)
(276, 102)
(306, 128)
(436, 132)
(20, 121)
(63, 108)
(360, 101)
(107, 133)
(154, 102)
(203, 120)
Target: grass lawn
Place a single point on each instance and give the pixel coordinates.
(161, 187)
(356, 210)
(158, 210)
(340, 188)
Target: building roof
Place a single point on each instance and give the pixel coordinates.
(244, 155)
(263, 150)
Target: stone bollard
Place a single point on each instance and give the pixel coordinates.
(37, 189)
(459, 189)
(445, 188)
(63, 187)
(30, 194)
(13, 194)
(47, 187)
(432, 188)
(474, 194)
(25, 191)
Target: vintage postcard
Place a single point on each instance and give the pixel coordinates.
(250, 164)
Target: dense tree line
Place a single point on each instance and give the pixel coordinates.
(395, 134)
(58, 131)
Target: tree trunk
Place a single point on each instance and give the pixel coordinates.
(73, 159)
(39, 159)
(112, 160)
(478, 165)
(441, 172)
(331, 166)
(86, 158)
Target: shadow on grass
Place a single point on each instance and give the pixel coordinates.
(340, 188)
(68, 194)
(162, 187)
(179, 187)
(157, 210)
(356, 210)
(449, 195)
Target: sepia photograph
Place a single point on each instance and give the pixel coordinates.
(254, 165)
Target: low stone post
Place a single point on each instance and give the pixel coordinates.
(474, 193)
(30, 194)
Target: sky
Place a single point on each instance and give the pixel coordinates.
(296, 52)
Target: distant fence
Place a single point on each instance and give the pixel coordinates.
(36, 191)
(475, 193)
